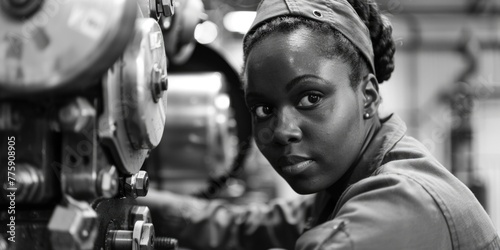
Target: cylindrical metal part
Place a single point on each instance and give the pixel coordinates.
(29, 180)
(120, 240)
(199, 139)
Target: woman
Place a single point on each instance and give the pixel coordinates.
(312, 70)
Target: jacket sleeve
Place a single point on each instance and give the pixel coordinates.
(387, 211)
(201, 224)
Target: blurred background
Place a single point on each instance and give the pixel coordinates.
(446, 86)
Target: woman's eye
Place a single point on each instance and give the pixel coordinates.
(262, 111)
(309, 100)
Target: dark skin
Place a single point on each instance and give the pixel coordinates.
(308, 121)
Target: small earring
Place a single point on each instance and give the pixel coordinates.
(366, 115)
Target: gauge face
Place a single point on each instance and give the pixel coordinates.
(145, 67)
(134, 107)
(63, 44)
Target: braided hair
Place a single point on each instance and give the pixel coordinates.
(340, 47)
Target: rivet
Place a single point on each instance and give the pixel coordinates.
(317, 13)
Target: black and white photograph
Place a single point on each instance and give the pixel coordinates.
(250, 124)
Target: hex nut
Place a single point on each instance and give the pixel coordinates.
(142, 183)
(108, 182)
(129, 186)
(136, 185)
(153, 11)
(140, 213)
(73, 227)
(168, 7)
(137, 234)
(76, 115)
(164, 83)
(147, 237)
(157, 86)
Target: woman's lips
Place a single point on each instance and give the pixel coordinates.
(296, 168)
(292, 165)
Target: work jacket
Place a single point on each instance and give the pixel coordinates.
(397, 196)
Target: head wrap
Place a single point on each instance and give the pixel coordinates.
(339, 14)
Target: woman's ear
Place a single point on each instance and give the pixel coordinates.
(371, 96)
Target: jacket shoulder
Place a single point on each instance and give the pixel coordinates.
(457, 204)
(387, 211)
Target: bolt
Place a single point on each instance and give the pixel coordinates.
(75, 116)
(157, 84)
(28, 183)
(166, 7)
(73, 227)
(165, 243)
(69, 114)
(138, 213)
(136, 185)
(164, 83)
(129, 186)
(158, 93)
(108, 182)
(153, 9)
(147, 237)
(142, 183)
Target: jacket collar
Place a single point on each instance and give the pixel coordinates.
(391, 132)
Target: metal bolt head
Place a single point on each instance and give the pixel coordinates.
(153, 9)
(157, 83)
(157, 92)
(140, 213)
(168, 8)
(164, 83)
(76, 115)
(147, 237)
(136, 185)
(69, 114)
(129, 186)
(108, 182)
(28, 183)
(142, 183)
(73, 227)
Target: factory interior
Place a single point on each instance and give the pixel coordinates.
(103, 103)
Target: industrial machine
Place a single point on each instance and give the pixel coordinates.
(82, 104)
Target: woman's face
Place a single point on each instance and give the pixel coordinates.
(307, 119)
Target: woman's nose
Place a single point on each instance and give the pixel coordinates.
(286, 129)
